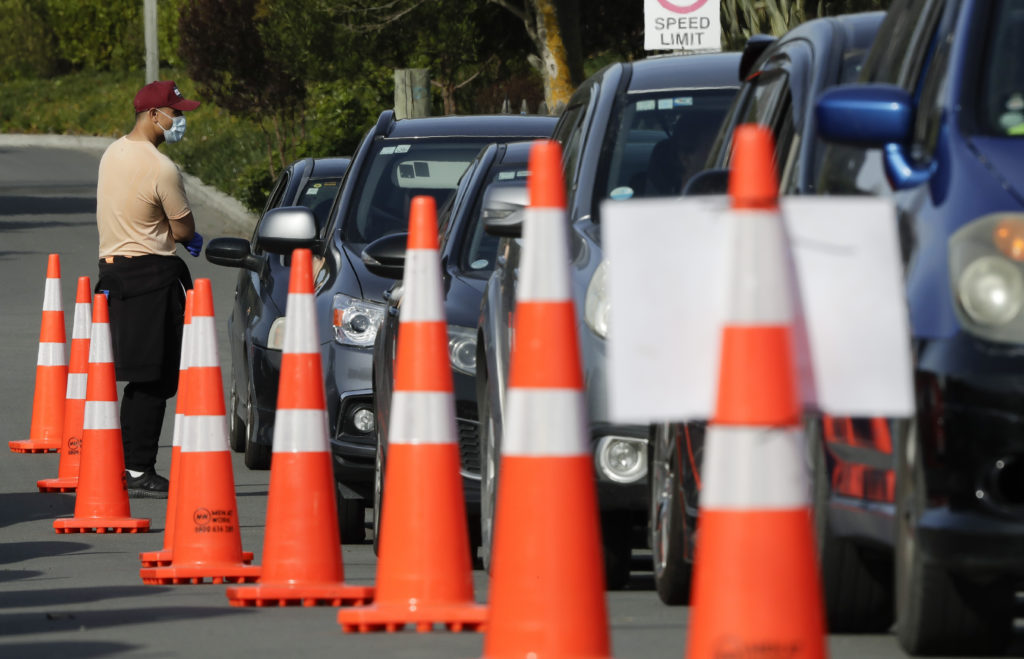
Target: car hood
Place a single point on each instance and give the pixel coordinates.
(1001, 156)
(462, 299)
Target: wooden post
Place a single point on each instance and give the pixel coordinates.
(412, 93)
(152, 49)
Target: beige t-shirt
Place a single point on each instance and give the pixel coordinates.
(138, 194)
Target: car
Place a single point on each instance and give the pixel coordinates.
(633, 129)
(396, 160)
(934, 124)
(254, 336)
(782, 80)
(493, 185)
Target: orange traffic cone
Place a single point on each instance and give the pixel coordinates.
(756, 584)
(163, 556)
(101, 500)
(301, 547)
(51, 372)
(547, 571)
(207, 541)
(74, 403)
(424, 574)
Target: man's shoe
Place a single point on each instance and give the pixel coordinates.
(149, 485)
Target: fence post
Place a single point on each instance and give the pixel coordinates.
(152, 48)
(412, 93)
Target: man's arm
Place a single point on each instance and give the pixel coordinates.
(183, 228)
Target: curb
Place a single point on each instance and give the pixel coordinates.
(234, 217)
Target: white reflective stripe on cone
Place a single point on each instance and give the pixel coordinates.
(543, 271)
(76, 386)
(186, 345)
(422, 297)
(82, 321)
(300, 431)
(101, 415)
(51, 354)
(754, 468)
(51, 295)
(422, 417)
(760, 292)
(204, 336)
(179, 426)
(204, 433)
(300, 335)
(100, 351)
(545, 422)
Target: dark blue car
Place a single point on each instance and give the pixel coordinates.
(935, 124)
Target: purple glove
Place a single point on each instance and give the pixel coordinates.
(195, 246)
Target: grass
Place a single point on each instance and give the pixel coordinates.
(223, 150)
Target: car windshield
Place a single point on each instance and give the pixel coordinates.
(1002, 77)
(318, 196)
(658, 140)
(482, 248)
(398, 171)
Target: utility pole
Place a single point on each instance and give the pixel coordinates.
(152, 49)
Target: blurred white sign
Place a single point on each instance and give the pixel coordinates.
(667, 264)
(682, 25)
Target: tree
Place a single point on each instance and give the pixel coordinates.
(225, 54)
(742, 19)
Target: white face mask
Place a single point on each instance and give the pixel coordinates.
(177, 129)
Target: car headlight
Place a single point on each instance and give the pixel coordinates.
(356, 320)
(462, 349)
(597, 306)
(986, 259)
(275, 339)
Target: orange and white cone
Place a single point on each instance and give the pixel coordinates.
(207, 541)
(47, 429)
(757, 588)
(74, 399)
(547, 573)
(302, 561)
(424, 574)
(101, 500)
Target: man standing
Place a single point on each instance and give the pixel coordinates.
(141, 212)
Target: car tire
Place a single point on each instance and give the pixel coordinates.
(616, 541)
(236, 426)
(857, 583)
(351, 520)
(671, 570)
(489, 461)
(378, 495)
(257, 456)
(937, 611)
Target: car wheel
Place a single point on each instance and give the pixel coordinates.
(351, 521)
(616, 536)
(378, 495)
(938, 612)
(236, 426)
(671, 570)
(257, 456)
(489, 461)
(857, 583)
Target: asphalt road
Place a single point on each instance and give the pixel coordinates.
(71, 596)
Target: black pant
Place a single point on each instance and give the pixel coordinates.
(142, 414)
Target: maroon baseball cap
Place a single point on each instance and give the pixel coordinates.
(160, 94)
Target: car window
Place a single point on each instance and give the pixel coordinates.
(445, 213)
(397, 171)
(658, 140)
(481, 247)
(569, 133)
(273, 201)
(903, 42)
(318, 196)
(1001, 97)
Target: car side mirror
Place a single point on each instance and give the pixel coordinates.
(503, 208)
(286, 228)
(385, 257)
(707, 182)
(867, 115)
(233, 253)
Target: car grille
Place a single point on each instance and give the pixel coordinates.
(469, 445)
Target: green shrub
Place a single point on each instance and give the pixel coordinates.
(30, 55)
